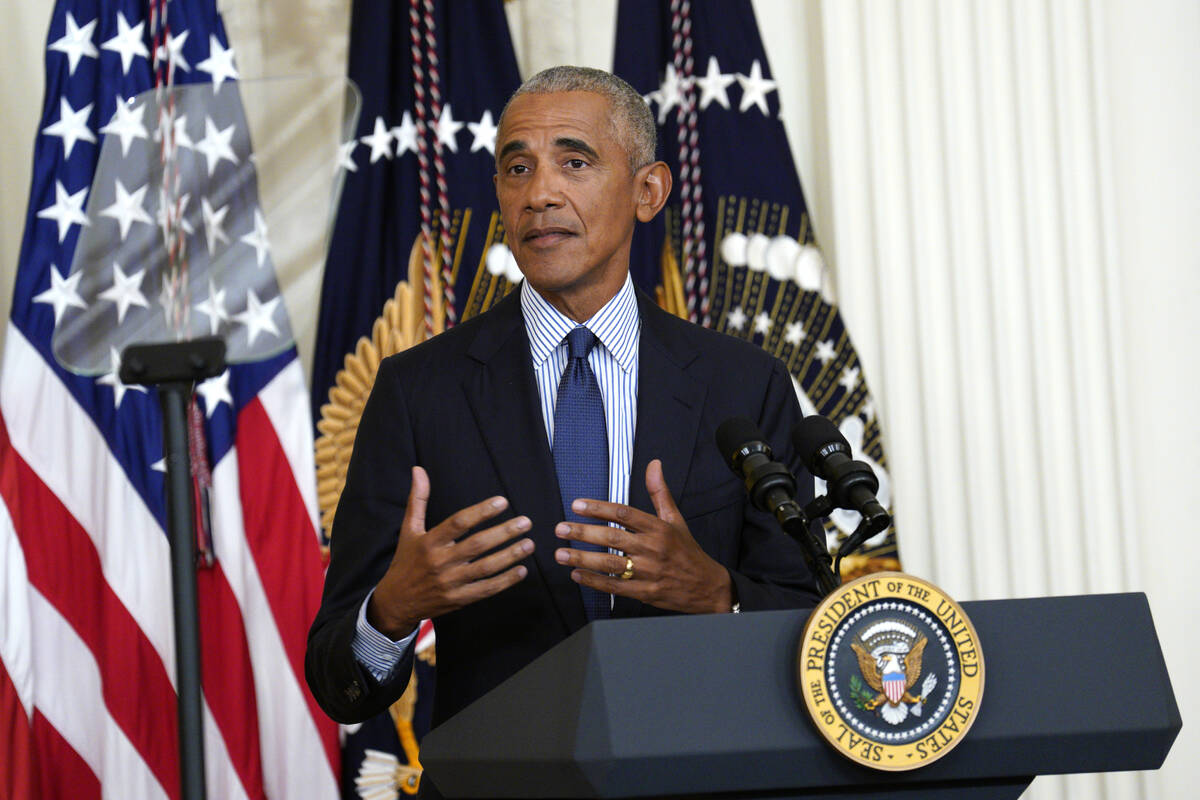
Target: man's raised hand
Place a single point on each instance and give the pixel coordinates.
(432, 574)
(670, 570)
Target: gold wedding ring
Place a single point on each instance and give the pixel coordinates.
(628, 573)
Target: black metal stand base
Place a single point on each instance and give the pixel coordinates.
(174, 368)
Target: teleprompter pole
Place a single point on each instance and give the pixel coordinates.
(181, 512)
(174, 368)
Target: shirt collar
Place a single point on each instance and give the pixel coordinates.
(616, 324)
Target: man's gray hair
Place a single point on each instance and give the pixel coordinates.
(631, 117)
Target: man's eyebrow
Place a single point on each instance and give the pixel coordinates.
(513, 146)
(579, 145)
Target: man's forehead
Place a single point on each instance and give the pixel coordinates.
(562, 119)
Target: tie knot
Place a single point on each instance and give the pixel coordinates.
(580, 342)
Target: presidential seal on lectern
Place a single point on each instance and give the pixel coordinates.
(891, 671)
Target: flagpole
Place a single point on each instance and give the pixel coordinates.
(174, 369)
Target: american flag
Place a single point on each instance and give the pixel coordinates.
(87, 664)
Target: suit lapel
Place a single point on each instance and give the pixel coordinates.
(669, 406)
(504, 399)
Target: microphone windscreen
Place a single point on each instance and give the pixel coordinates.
(814, 438)
(735, 433)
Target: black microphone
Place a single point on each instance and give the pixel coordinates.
(851, 484)
(772, 488)
(770, 484)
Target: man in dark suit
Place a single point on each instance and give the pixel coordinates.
(458, 503)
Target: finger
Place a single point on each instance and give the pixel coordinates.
(491, 564)
(660, 495)
(478, 590)
(606, 563)
(625, 516)
(479, 543)
(602, 535)
(418, 501)
(467, 518)
(606, 584)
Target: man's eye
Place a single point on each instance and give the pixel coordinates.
(576, 163)
(518, 169)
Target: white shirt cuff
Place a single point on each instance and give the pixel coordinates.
(374, 650)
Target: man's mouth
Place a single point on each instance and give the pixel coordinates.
(545, 236)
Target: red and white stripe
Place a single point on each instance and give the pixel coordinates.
(426, 638)
(19, 780)
(87, 666)
(893, 686)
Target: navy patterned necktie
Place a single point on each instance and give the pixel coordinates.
(581, 447)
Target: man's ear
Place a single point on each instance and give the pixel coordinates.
(654, 187)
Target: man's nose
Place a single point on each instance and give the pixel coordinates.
(545, 191)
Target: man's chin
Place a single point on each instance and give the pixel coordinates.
(565, 271)
(549, 274)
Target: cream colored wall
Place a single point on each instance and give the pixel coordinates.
(1113, 106)
(22, 80)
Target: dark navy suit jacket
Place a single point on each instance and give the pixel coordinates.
(465, 407)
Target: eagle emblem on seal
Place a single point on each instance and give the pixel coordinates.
(889, 658)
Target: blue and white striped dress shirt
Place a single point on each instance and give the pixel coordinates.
(618, 328)
(614, 361)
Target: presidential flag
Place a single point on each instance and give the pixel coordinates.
(418, 194)
(736, 249)
(87, 657)
(417, 246)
